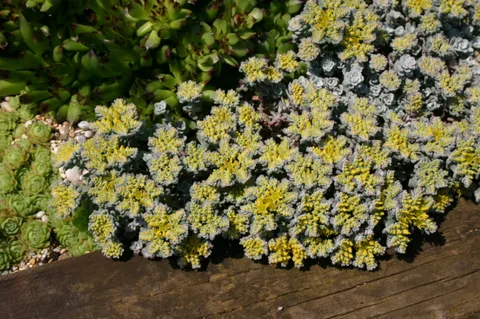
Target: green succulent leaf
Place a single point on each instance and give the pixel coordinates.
(10, 226)
(39, 133)
(21, 204)
(14, 157)
(16, 251)
(4, 259)
(35, 234)
(5, 141)
(34, 183)
(41, 167)
(7, 121)
(7, 181)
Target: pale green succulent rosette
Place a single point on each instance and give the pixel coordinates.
(35, 235)
(34, 183)
(7, 121)
(7, 180)
(21, 204)
(39, 133)
(41, 154)
(4, 259)
(10, 226)
(41, 167)
(5, 141)
(14, 157)
(16, 251)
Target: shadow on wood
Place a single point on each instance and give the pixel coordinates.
(443, 281)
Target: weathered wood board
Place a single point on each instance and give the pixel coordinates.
(442, 281)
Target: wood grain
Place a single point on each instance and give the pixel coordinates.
(441, 281)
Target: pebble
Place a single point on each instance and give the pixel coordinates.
(45, 219)
(63, 130)
(40, 214)
(81, 138)
(71, 134)
(63, 251)
(88, 134)
(73, 175)
(280, 308)
(57, 249)
(32, 261)
(84, 125)
(6, 107)
(5, 272)
(28, 123)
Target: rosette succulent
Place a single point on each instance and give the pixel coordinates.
(35, 234)
(25, 177)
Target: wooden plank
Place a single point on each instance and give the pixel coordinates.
(442, 281)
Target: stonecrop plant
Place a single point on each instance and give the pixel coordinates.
(340, 148)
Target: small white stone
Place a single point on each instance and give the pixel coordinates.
(73, 175)
(62, 175)
(80, 138)
(28, 123)
(63, 251)
(40, 214)
(45, 219)
(84, 125)
(88, 134)
(63, 130)
(57, 249)
(280, 308)
(6, 106)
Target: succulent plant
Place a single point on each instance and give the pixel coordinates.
(35, 234)
(26, 173)
(69, 56)
(339, 162)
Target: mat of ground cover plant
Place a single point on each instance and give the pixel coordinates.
(441, 282)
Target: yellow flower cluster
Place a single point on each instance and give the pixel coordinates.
(64, 200)
(137, 193)
(103, 153)
(120, 118)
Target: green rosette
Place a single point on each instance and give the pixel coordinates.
(7, 180)
(76, 241)
(39, 133)
(34, 183)
(8, 121)
(14, 157)
(10, 226)
(16, 251)
(41, 154)
(40, 202)
(4, 259)
(35, 234)
(5, 142)
(21, 204)
(19, 131)
(41, 167)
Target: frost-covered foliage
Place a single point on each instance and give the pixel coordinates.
(339, 149)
